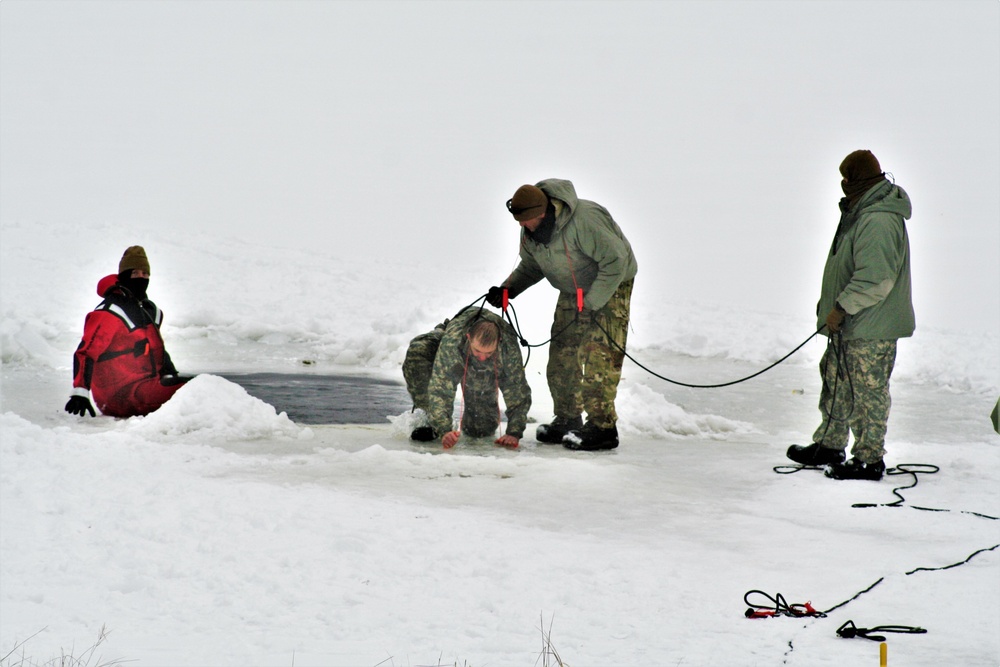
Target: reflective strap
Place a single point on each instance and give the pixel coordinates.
(117, 310)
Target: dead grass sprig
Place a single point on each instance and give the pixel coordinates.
(17, 656)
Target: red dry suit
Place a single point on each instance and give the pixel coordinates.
(121, 359)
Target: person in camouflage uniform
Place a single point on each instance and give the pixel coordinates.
(865, 306)
(578, 247)
(479, 351)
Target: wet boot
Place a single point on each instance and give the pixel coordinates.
(552, 434)
(855, 468)
(591, 438)
(815, 455)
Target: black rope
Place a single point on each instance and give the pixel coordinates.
(524, 343)
(913, 571)
(948, 567)
(707, 386)
(848, 631)
(856, 596)
(838, 347)
(913, 469)
(778, 606)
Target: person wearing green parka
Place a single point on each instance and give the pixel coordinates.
(865, 306)
(578, 247)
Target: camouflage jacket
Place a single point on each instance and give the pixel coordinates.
(482, 379)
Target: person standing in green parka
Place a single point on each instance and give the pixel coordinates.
(479, 352)
(578, 247)
(865, 306)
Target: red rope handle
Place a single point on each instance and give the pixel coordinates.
(572, 273)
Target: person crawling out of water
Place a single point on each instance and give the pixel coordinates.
(479, 352)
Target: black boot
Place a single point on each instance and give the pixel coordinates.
(422, 434)
(856, 469)
(591, 438)
(553, 433)
(815, 455)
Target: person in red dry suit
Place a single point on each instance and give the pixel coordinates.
(121, 360)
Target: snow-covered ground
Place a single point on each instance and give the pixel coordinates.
(218, 532)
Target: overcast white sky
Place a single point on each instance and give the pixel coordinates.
(711, 130)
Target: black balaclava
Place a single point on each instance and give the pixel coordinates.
(136, 286)
(861, 171)
(548, 225)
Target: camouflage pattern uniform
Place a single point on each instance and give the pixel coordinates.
(438, 361)
(585, 366)
(855, 397)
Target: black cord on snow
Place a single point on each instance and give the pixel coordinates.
(913, 571)
(948, 567)
(913, 469)
(855, 597)
(848, 631)
(777, 606)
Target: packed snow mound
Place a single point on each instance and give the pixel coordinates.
(651, 415)
(213, 408)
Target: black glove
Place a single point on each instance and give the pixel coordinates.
(423, 434)
(494, 297)
(80, 405)
(171, 380)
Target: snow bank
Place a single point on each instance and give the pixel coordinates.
(211, 408)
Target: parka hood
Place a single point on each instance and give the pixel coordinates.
(105, 284)
(111, 283)
(886, 197)
(563, 190)
(895, 200)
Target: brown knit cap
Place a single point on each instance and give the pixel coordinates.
(527, 203)
(134, 258)
(860, 166)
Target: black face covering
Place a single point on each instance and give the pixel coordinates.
(544, 232)
(136, 286)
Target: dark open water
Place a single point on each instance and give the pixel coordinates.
(327, 399)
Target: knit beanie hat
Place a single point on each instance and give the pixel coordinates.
(134, 258)
(860, 166)
(527, 203)
(861, 171)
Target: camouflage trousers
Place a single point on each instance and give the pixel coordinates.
(855, 397)
(419, 363)
(585, 357)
